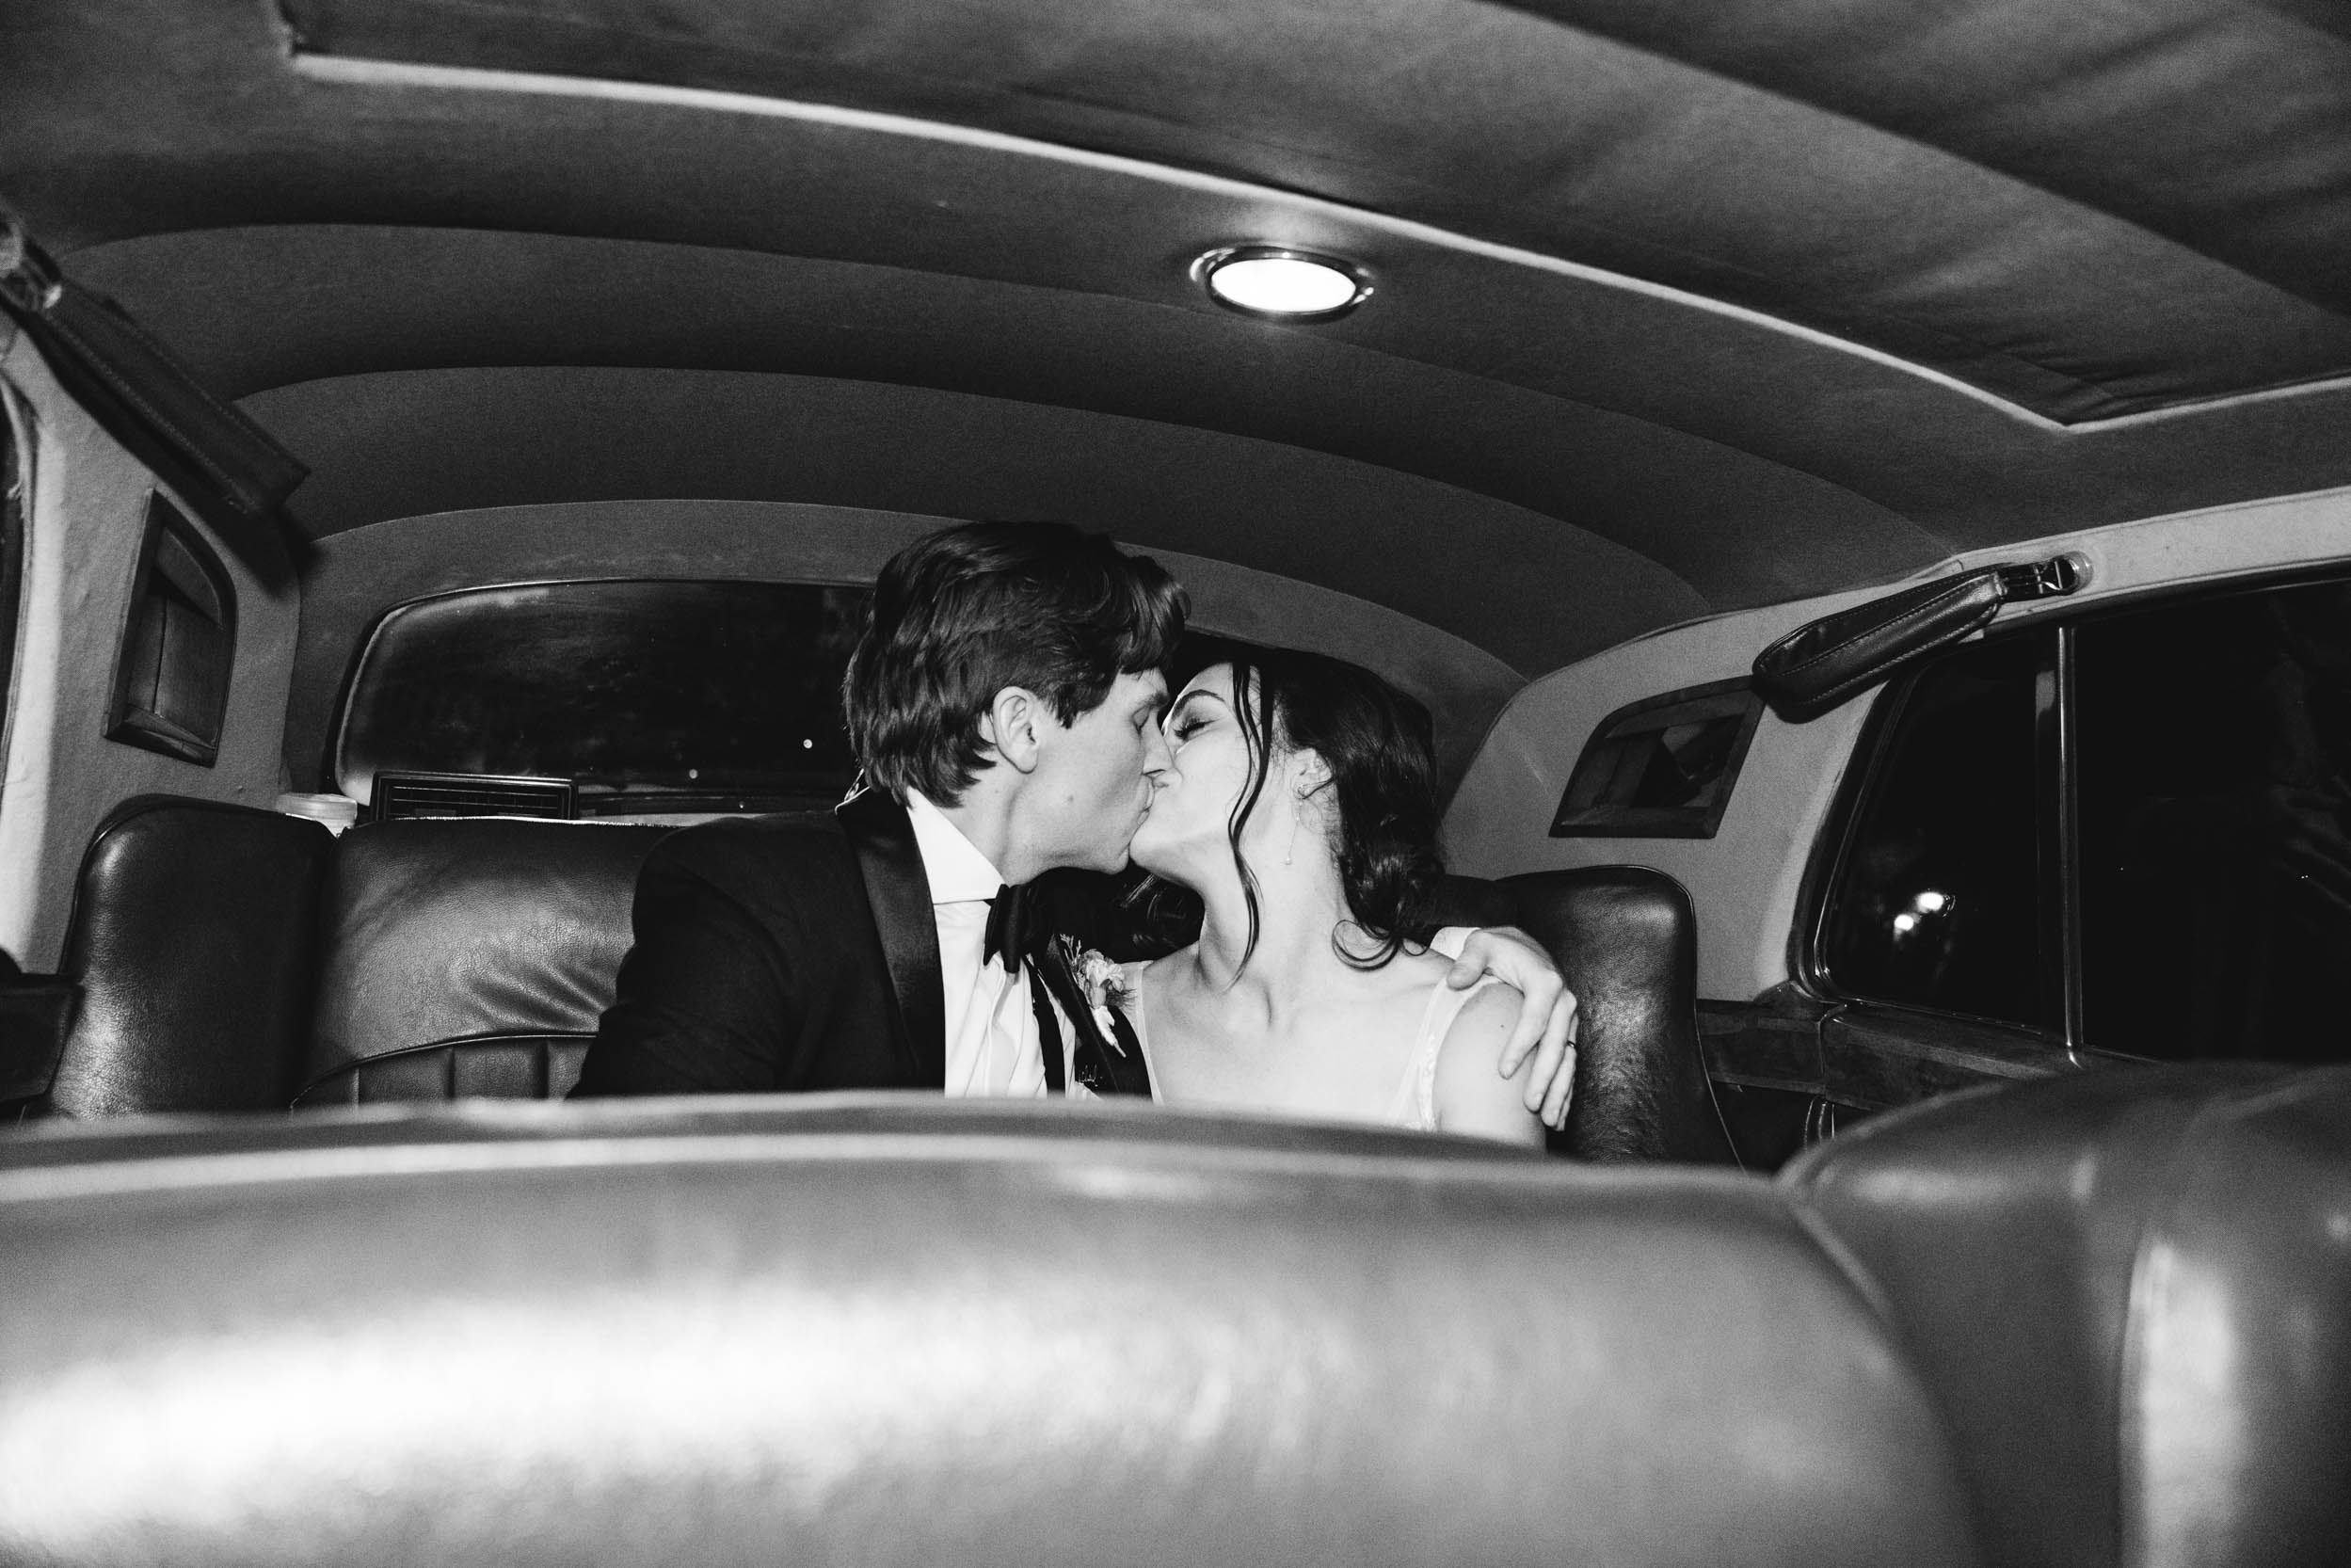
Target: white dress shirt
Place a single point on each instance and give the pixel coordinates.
(992, 1041)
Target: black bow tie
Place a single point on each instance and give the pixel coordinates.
(1016, 924)
(1020, 928)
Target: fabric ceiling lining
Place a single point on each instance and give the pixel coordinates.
(2108, 105)
(1873, 185)
(415, 442)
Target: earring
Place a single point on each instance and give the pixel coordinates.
(1293, 848)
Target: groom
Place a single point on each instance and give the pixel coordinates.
(1004, 701)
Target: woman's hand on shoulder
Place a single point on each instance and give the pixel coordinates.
(1472, 1095)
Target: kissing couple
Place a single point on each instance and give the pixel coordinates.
(1008, 703)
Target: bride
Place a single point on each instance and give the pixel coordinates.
(1300, 807)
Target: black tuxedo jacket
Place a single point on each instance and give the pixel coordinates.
(792, 952)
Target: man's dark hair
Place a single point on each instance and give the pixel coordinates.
(962, 614)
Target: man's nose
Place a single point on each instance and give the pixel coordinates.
(1156, 758)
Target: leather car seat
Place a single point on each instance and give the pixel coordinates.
(1625, 939)
(888, 1331)
(469, 957)
(2132, 1290)
(192, 941)
(473, 957)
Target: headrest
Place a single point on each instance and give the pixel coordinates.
(191, 938)
(1627, 941)
(979, 1337)
(449, 930)
(2162, 1253)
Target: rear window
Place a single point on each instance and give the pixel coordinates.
(648, 696)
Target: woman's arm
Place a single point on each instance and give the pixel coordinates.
(1472, 1095)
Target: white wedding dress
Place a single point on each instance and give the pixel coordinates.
(1415, 1106)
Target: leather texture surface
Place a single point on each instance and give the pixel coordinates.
(1625, 940)
(2132, 1291)
(503, 1066)
(1820, 665)
(979, 1335)
(467, 931)
(193, 940)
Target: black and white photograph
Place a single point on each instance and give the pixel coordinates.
(1174, 783)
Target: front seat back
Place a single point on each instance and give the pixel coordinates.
(2133, 1287)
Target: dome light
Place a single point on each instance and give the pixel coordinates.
(1280, 285)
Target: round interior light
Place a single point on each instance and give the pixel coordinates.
(1288, 284)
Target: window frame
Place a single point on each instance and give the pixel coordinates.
(1871, 755)
(1661, 822)
(669, 802)
(2057, 809)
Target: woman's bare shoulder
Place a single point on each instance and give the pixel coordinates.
(1416, 968)
(1472, 1095)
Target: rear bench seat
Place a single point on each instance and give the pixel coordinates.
(468, 958)
(230, 959)
(235, 959)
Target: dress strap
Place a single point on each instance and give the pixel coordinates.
(1415, 1104)
(1130, 977)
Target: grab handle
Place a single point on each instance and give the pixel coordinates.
(1816, 667)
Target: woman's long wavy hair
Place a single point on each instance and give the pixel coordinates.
(1380, 752)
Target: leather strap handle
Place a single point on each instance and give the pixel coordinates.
(227, 468)
(1816, 667)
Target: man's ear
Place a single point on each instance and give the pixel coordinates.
(1010, 726)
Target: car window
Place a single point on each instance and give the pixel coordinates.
(1936, 899)
(2214, 740)
(648, 695)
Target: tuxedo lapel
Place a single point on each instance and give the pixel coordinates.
(899, 896)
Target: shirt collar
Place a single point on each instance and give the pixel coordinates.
(958, 873)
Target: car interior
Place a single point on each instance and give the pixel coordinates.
(1859, 489)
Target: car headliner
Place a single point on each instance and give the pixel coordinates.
(1677, 311)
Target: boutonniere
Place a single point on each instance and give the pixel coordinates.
(1102, 987)
(1101, 982)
